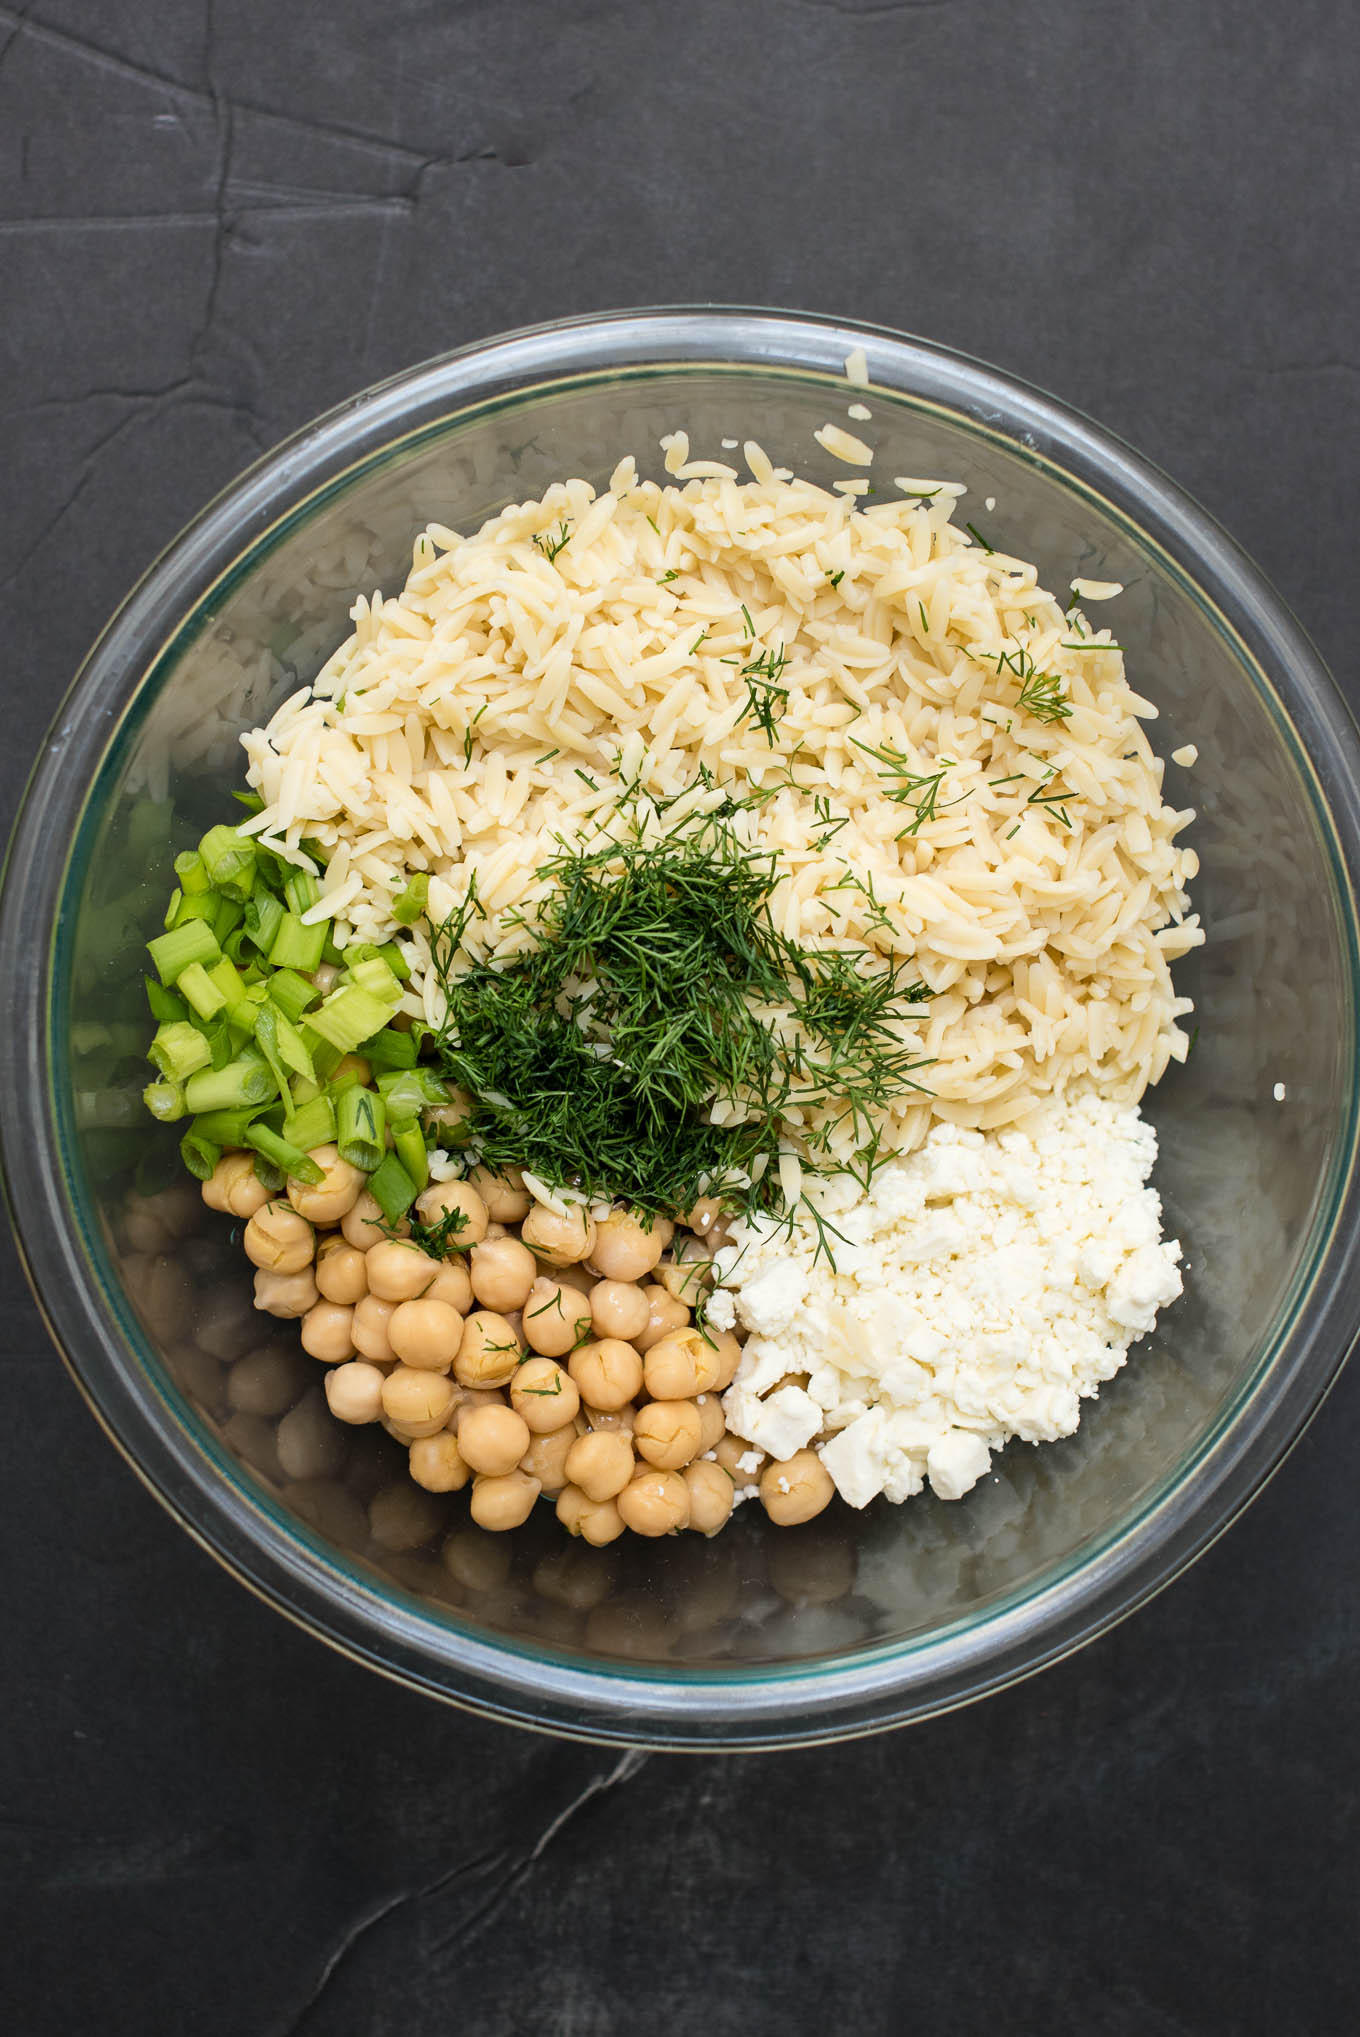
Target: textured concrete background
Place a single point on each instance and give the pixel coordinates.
(216, 218)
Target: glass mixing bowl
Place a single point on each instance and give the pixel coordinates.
(763, 1636)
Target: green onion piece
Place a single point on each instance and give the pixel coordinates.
(229, 915)
(267, 1020)
(293, 1049)
(229, 859)
(273, 1178)
(312, 1125)
(228, 981)
(179, 1050)
(164, 1100)
(190, 870)
(202, 993)
(300, 891)
(325, 1058)
(165, 1006)
(409, 1091)
(408, 906)
(392, 1188)
(390, 1049)
(233, 947)
(199, 1155)
(408, 1142)
(172, 953)
(203, 905)
(226, 1128)
(262, 920)
(373, 976)
(394, 955)
(251, 801)
(360, 1117)
(350, 1015)
(172, 909)
(240, 1082)
(291, 993)
(288, 1159)
(298, 947)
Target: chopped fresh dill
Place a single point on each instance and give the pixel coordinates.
(655, 525)
(674, 574)
(764, 694)
(550, 543)
(467, 733)
(440, 1239)
(925, 619)
(547, 756)
(836, 577)
(976, 534)
(659, 986)
(701, 638)
(1089, 644)
(1042, 696)
(586, 778)
(746, 617)
(920, 790)
(827, 824)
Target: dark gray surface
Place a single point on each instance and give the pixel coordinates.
(215, 220)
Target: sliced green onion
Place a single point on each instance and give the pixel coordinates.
(164, 1100)
(349, 1016)
(360, 1117)
(165, 1006)
(240, 1082)
(290, 1160)
(189, 869)
(298, 947)
(172, 953)
(373, 976)
(390, 1049)
(204, 905)
(394, 955)
(179, 1050)
(172, 908)
(409, 1091)
(330, 953)
(300, 891)
(199, 1155)
(251, 801)
(226, 1127)
(262, 920)
(312, 1125)
(325, 1058)
(291, 993)
(273, 1178)
(229, 859)
(229, 915)
(202, 993)
(392, 1188)
(408, 1142)
(409, 905)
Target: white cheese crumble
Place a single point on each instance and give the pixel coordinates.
(986, 1284)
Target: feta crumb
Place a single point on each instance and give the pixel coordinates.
(1185, 756)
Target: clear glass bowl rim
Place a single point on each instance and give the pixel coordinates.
(839, 1696)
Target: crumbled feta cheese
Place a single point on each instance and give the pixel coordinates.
(990, 1282)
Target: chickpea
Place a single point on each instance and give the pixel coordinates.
(612, 1418)
(665, 1230)
(441, 1198)
(278, 1240)
(239, 1186)
(438, 1464)
(419, 1401)
(354, 1392)
(577, 1277)
(362, 1225)
(712, 1420)
(729, 1452)
(369, 1329)
(285, 1294)
(711, 1496)
(507, 1200)
(654, 1503)
(572, 1506)
(608, 1372)
(681, 1365)
(264, 1382)
(554, 1318)
(402, 1517)
(470, 1397)
(667, 1433)
(545, 1395)
(399, 1271)
(451, 1284)
(704, 1214)
(492, 1440)
(325, 976)
(341, 1272)
(626, 1247)
(326, 1332)
(489, 1350)
(494, 1231)
(425, 1333)
(618, 1308)
(308, 1442)
(728, 1349)
(451, 1114)
(601, 1524)
(503, 1273)
(687, 1275)
(546, 1458)
(561, 1240)
(664, 1314)
(504, 1502)
(601, 1463)
(334, 1196)
(795, 1490)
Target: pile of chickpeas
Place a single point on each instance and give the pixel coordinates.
(552, 1355)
